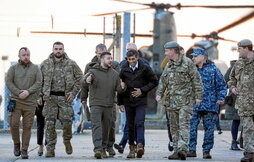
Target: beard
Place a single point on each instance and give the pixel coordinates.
(58, 55)
(108, 65)
(24, 62)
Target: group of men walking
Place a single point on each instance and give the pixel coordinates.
(191, 90)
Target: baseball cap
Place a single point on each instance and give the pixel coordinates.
(244, 43)
(171, 44)
(199, 51)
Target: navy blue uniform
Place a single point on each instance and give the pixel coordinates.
(214, 89)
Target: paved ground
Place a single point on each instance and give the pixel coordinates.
(155, 150)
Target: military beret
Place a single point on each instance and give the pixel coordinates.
(199, 51)
(244, 43)
(171, 44)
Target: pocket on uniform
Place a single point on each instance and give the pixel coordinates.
(182, 77)
(180, 100)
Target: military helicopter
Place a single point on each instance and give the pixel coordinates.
(164, 30)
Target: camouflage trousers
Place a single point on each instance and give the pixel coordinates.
(209, 120)
(57, 108)
(248, 133)
(180, 127)
(101, 118)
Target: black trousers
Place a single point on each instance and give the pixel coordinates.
(40, 125)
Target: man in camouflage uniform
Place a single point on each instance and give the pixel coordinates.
(61, 82)
(99, 49)
(242, 84)
(182, 82)
(23, 80)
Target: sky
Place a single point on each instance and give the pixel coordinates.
(76, 15)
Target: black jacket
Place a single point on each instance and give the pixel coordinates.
(143, 77)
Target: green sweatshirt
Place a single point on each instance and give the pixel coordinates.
(20, 77)
(105, 84)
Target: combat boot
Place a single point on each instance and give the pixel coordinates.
(68, 147)
(111, 151)
(97, 155)
(140, 150)
(192, 153)
(206, 155)
(24, 154)
(132, 152)
(182, 154)
(248, 157)
(50, 154)
(174, 156)
(234, 145)
(16, 150)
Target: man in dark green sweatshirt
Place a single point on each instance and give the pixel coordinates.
(103, 82)
(23, 80)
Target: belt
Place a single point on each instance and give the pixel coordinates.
(58, 93)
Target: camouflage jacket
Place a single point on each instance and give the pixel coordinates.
(72, 75)
(181, 82)
(242, 78)
(214, 86)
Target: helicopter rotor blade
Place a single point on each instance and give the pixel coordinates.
(111, 13)
(228, 40)
(130, 2)
(213, 6)
(68, 33)
(237, 22)
(179, 6)
(193, 36)
(87, 33)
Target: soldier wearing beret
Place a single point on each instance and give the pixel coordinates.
(182, 84)
(242, 84)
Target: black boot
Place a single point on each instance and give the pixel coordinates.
(119, 148)
(16, 150)
(206, 155)
(234, 145)
(24, 154)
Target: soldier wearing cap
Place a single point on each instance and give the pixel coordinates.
(242, 84)
(215, 91)
(182, 84)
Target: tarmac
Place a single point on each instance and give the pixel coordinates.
(155, 149)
